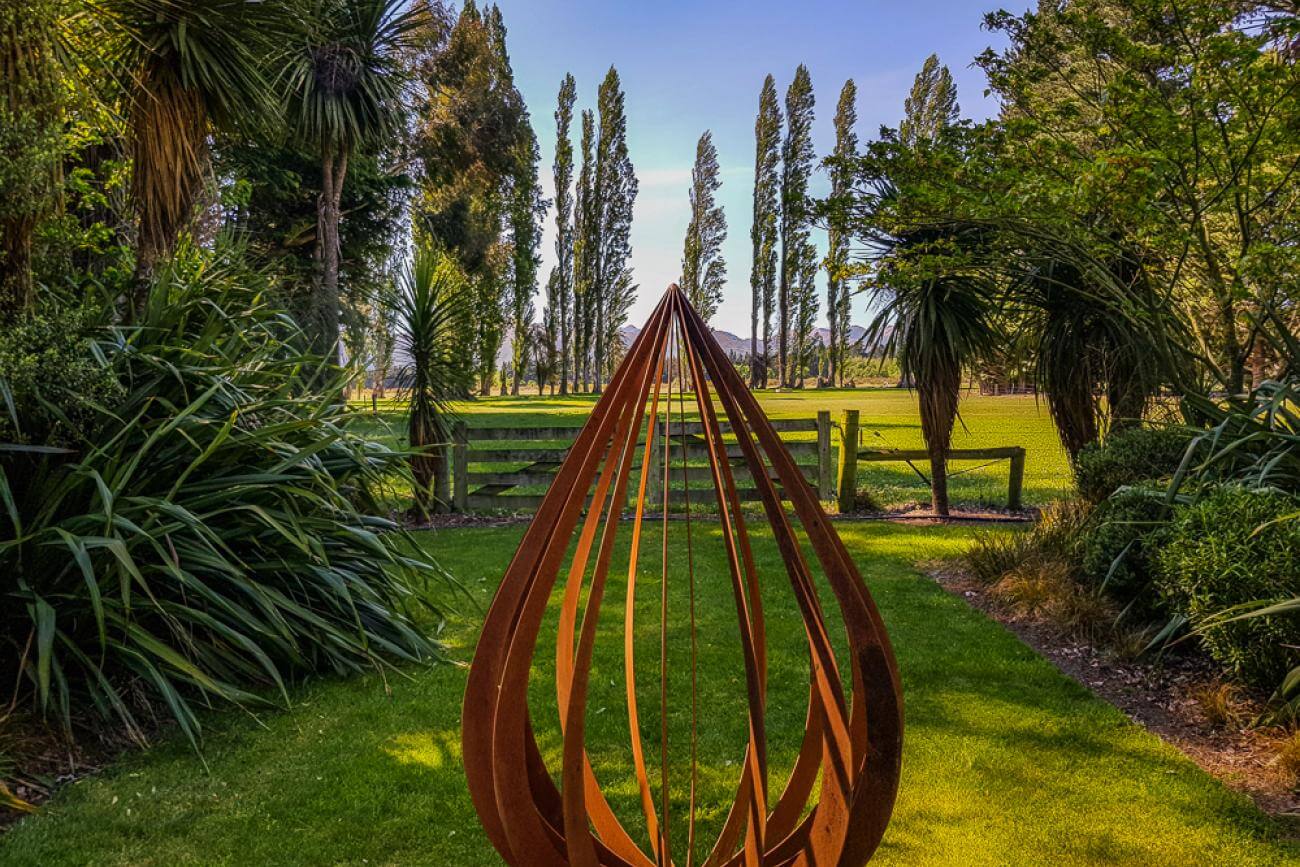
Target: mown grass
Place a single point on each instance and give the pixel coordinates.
(1006, 760)
(889, 419)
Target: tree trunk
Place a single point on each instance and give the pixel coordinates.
(1227, 313)
(323, 316)
(598, 362)
(938, 404)
(564, 353)
(15, 266)
(766, 355)
(428, 467)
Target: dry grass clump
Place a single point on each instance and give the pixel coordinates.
(1288, 757)
(1053, 540)
(1127, 644)
(1035, 573)
(1049, 590)
(1221, 703)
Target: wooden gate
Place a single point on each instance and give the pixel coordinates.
(509, 469)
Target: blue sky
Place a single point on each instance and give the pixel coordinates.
(687, 67)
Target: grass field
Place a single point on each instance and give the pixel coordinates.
(888, 417)
(1006, 760)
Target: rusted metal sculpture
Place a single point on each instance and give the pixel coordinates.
(851, 746)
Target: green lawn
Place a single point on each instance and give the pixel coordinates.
(1006, 761)
(889, 419)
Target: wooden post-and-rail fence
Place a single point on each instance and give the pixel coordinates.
(846, 491)
(493, 468)
(478, 485)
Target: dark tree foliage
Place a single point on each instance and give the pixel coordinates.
(272, 203)
(31, 140)
(470, 127)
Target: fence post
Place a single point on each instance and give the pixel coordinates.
(460, 466)
(824, 483)
(374, 402)
(1016, 483)
(848, 464)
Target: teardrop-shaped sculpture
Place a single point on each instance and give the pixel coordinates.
(852, 746)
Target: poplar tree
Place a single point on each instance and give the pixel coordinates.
(546, 359)
(584, 246)
(615, 189)
(764, 232)
(560, 302)
(931, 105)
(527, 208)
(796, 166)
(837, 256)
(704, 271)
(803, 291)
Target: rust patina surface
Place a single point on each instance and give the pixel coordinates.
(848, 763)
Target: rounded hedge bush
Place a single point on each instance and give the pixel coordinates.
(1223, 552)
(1129, 457)
(1123, 533)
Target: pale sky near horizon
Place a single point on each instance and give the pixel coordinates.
(687, 67)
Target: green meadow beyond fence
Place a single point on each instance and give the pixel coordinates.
(510, 468)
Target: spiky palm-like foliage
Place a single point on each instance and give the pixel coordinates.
(188, 68)
(345, 79)
(431, 307)
(938, 319)
(1088, 350)
(211, 533)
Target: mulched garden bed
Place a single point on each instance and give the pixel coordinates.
(1160, 696)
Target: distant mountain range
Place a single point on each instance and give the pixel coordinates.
(735, 345)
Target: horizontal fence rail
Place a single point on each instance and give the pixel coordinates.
(481, 480)
(849, 458)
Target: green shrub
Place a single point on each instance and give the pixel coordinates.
(1119, 542)
(1129, 457)
(1222, 553)
(51, 381)
(217, 539)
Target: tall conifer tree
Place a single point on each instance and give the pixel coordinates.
(527, 208)
(584, 249)
(561, 300)
(615, 187)
(764, 231)
(803, 293)
(931, 105)
(796, 166)
(837, 256)
(704, 271)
